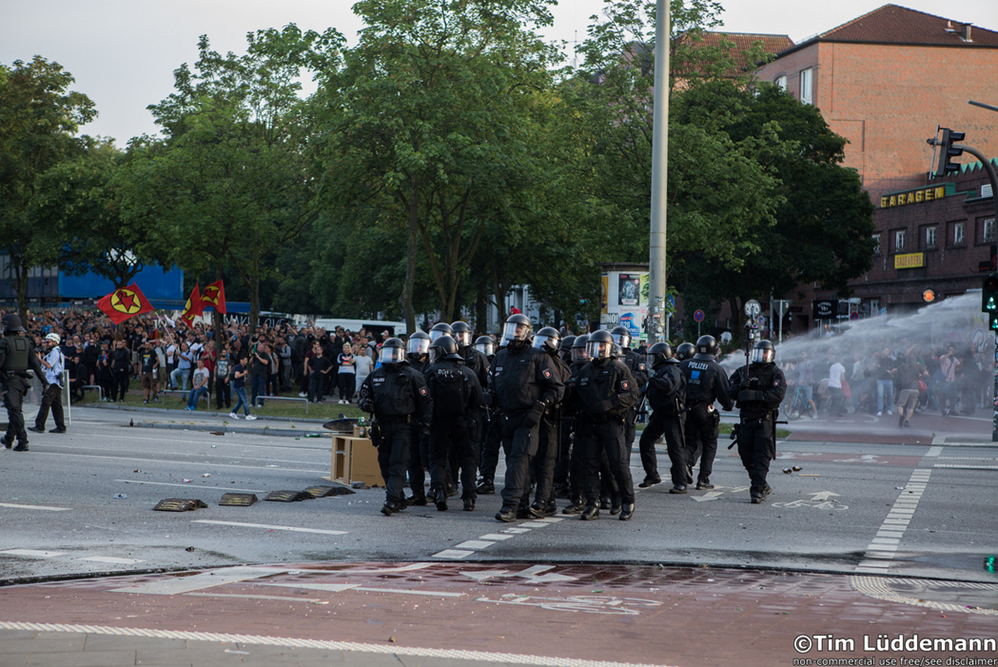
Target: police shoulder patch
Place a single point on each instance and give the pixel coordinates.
(422, 391)
(776, 383)
(546, 373)
(624, 384)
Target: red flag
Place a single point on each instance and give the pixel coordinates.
(214, 295)
(193, 308)
(124, 303)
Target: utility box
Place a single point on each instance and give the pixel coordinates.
(354, 460)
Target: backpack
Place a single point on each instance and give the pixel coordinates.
(450, 392)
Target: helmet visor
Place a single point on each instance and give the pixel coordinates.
(650, 359)
(598, 349)
(418, 345)
(437, 333)
(391, 355)
(488, 349)
(762, 355)
(463, 338)
(623, 340)
(580, 355)
(436, 354)
(546, 342)
(516, 331)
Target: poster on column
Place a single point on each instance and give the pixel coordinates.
(629, 293)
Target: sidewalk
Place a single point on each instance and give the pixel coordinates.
(467, 614)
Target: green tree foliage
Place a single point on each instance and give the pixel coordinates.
(39, 116)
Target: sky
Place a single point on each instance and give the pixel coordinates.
(123, 52)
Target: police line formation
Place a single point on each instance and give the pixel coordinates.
(563, 412)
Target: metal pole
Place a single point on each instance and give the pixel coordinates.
(659, 174)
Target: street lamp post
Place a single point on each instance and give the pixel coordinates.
(659, 177)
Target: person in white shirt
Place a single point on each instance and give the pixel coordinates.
(836, 373)
(54, 363)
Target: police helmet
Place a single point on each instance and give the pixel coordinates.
(11, 323)
(658, 354)
(580, 354)
(706, 348)
(444, 347)
(685, 351)
(485, 345)
(392, 352)
(440, 329)
(518, 328)
(54, 338)
(763, 353)
(462, 333)
(419, 344)
(601, 345)
(566, 347)
(621, 336)
(547, 339)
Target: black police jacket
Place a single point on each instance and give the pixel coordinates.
(17, 355)
(445, 369)
(477, 362)
(667, 389)
(521, 378)
(760, 392)
(636, 364)
(706, 382)
(395, 390)
(606, 388)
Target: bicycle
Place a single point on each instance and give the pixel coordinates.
(798, 404)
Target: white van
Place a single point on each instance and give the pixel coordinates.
(373, 326)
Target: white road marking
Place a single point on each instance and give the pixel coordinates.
(293, 529)
(495, 537)
(474, 544)
(405, 591)
(883, 548)
(318, 472)
(453, 553)
(200, 581)
(31, 553)
(197, 486)
(112, 560)
(328, 588)
(533, 575)
(246, 596)
(535, 524)
(36, 507)
(934, 451)
(963, 467)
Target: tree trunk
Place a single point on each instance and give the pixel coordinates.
(410, 261)
(22, 291)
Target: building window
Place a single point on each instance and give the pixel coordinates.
(930, 237)
(899, 241)
(805, 86)
(988, 230)
(958, 238)
(781, 82)
(876, 244)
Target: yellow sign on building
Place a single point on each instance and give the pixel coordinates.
(911, 260)
(914, 197)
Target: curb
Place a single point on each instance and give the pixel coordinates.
(266, 430)
(165, 411)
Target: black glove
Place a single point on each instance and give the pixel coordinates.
(487, 399)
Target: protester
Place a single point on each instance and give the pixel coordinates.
(199, 386)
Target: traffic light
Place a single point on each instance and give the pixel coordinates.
(928, 295)
(989, 295)
(947, 152)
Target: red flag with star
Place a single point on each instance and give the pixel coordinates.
(124, 303)
(193, 308)
(214, 296)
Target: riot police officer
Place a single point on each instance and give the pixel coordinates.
(561, 487)
(758, 389)
(548, 340)
(398, 397)
(474, 359)
(666, 397)
(457, 399)
(706, 382)
(606, 390)
(685, 351)
(636, 364)
(441, 329)
(491, 438)
(486, 346)
(570, 410)
(417, 354)
(17, 356)
(523, 383)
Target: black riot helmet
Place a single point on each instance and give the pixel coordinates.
(392, 352)
(566, 348)
(517, 329)
(658, 354)
(444, 347)
(580, 352)
(706, 348)
(419, 344)
(441, 329)
(763, 353)
(601, 346)
(622, 337)
(462, 333)
(685, 351)
(547, 339)
(486, 346)
(12, 323)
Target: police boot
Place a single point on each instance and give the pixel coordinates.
(704, 485)
(469, 504)
(523, 512)
(551, 509)
(537, 510)
(626, 512)
(22, 446)
(615, 506)
(591, 513)
(679, 488)
(36, 429)
(8, 442)
(604, 503)
(390, 507)
(486, 487)
(650, 481)
(575, 508)
(417, 499)
(507, 514)
(441, 502)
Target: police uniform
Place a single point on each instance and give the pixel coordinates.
(706, 382)
(636, 365)
(17, 355)
(453, 428)
(523, 383)
(419, 454)
(666, 396)
(549, 444)
(606, 390)
(758, 394)
(399, 399)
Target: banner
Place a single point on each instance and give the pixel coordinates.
(124, 303)
(214, 296)
(193, 308)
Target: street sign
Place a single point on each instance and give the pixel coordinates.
(761, 320)
(825, 309)
(752, 308)
(698, 316)
(854, 315)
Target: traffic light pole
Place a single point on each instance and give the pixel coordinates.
(659, 173)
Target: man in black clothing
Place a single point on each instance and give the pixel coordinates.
(706, 382)
(547, 340)
(398, 396)
(666, 397)
(418, 356)
(121, 366)
(17, 356)
(636, 365)
(759, 390)
(571, 411)
(261, 369)
(523, 383)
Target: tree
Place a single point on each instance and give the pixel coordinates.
(38, 118)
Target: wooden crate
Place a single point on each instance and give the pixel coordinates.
(354, 460)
